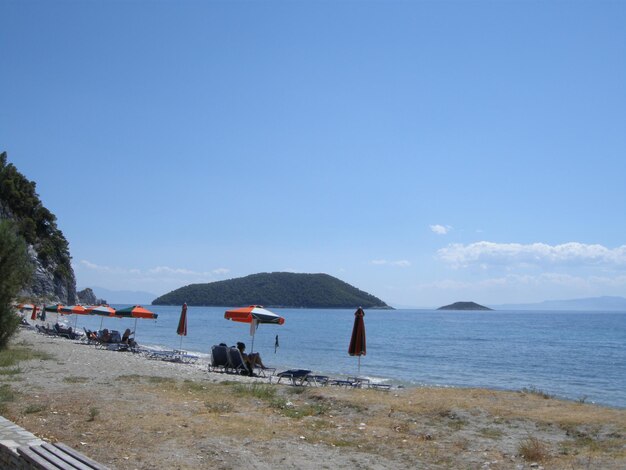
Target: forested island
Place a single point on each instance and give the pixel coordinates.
(464, 306)
(293, 290)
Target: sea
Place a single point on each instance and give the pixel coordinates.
(578, 356)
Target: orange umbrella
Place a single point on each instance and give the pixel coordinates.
(137, 311)
(357, 341)
(72, 310)
(102, 310)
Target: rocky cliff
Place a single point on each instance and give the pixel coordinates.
(53, 279)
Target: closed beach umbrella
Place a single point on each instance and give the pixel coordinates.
(136, 311)
(34, 314)
(254, 314)
(182, 324)
(357, 341)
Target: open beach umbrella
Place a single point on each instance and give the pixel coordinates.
(254, 314)
(182, 325)
(357, 341)
(136, 311)
(72, 310)
(102, 310)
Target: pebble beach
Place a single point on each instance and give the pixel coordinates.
(127, 411)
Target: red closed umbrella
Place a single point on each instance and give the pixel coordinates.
(357, 341)
(182, 324)
(34, 315)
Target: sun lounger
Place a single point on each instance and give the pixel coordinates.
(45, 330)
(185, 357)
(175, 355)
(236, 364)
(68, 333)
(350, 382)
(219, 359)
(317, 380)
(385, 387)
(295, 376)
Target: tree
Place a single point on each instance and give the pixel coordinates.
(15, 273)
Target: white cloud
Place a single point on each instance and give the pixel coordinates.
(488, 253)
(440, 229)
(163, 275)
(402, 263)
(93, 266)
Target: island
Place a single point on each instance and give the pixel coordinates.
(464, 306)
(278, 289)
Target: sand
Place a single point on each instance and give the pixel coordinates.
(129, 412)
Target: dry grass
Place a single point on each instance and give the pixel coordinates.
(191, 423)
(533, 450)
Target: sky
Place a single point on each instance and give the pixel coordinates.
(425, 152)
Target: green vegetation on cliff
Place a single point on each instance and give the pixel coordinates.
(274, 290)
(34, 222)
(15, 273)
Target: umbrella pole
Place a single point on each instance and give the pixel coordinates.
(359, 370)
(180, 348)
(101, 320)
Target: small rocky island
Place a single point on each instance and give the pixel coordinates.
(464, 306)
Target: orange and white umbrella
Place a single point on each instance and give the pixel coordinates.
(253, 314)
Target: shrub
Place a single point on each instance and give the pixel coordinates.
(15, 272)
(533, 450)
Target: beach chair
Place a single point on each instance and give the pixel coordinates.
(185, 357)
(295, 376)
(236, 364)
(219, 358)
(316, 380)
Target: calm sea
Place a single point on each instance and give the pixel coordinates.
(573, 355)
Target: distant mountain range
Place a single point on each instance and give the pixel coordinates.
(606, 303)
(124, 296)
(295, 290)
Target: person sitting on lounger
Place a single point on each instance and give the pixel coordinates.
(252, 360)
(126, 339)
(106, 336)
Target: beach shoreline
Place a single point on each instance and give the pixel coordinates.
(127, 411)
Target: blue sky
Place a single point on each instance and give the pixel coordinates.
(426, 152)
